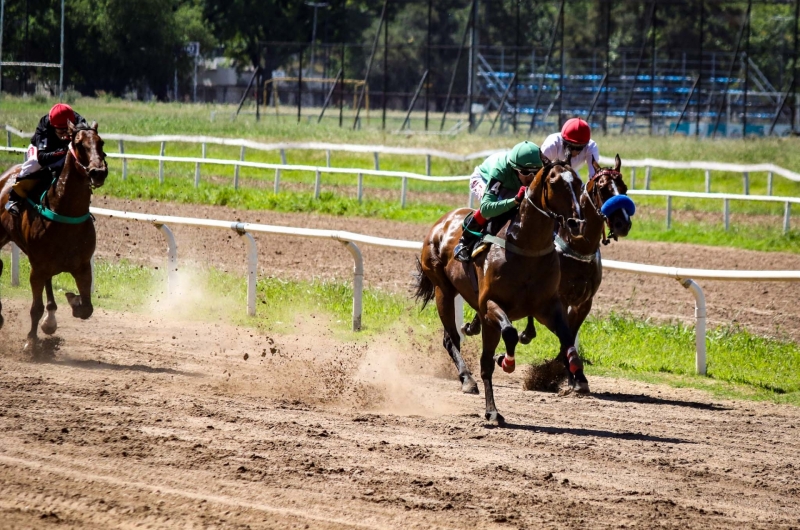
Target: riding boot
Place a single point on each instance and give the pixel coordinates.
(12, 205)
(474, 225)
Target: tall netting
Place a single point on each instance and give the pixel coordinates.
(697, 67)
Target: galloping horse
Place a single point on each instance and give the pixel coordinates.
(517, 277)
(58, 235)
(603, 202)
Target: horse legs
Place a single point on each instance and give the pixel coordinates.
(50, 325)
(496, 325)
(472, 328)
(556, 321)
(529, 333)
(37, 310)
(82, 305)
(445, 304)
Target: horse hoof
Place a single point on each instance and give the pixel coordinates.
(2, 320)
(469, 386)
(580, 384)
(49, 328)
(495, 418)
(30, 347)
(508, 366)
(73, 299)
(524, 338)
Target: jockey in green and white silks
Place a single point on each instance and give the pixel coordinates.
(499, 183)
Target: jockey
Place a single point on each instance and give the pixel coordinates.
(47, 152)
(573, 144)
(500, 183)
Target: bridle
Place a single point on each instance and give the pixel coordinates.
(545, 209)
(78, 163)
(596, 190)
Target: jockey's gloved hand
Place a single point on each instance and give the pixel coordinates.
(520, 194)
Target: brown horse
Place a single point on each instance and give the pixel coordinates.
(581, 267)
(59, 235)
(504, 284)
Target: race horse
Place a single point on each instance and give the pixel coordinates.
(57, 232)
(604, 203)
(517, 277)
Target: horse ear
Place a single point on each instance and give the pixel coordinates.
(94, 126)
(617, 162)
(595, 165)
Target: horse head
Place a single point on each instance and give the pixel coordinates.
(87, 149)
(558, 187)
(608, 193)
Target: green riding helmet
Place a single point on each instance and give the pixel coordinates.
(525, 155)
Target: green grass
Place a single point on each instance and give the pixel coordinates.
(427, 201)
(740, 364)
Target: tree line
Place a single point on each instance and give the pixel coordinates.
(116, 45)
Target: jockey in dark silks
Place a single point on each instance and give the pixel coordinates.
(46, 154)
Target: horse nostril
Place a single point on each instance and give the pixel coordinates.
(572, 223)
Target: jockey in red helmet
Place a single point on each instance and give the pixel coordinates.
(46, 154)
(574, 144)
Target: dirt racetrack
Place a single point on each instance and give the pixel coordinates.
(136, 420)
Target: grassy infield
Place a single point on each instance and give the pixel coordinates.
(740, 364)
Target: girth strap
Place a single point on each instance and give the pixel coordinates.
(502, 243)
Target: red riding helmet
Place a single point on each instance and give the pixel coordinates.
(60, 114)
(576, 131)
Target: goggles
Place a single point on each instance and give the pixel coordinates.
(528, 171)
(574, 147)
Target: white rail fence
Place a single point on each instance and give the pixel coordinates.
(406, 176)
(648, 163)
(686, 277)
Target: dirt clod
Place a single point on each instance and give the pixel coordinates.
(544, 377)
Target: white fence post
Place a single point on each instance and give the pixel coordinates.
(726, 213)
(14, 264)
(197, 168)
(172, 258)
(358, 283)
(278, 172)
(403, 192)
(700, 324)
(669, 212)
(633, 178)
(328, 157)
(647, 173)
(769, 183)
(428, 165)
(252, 267)
(360, 187)
(708, 181)
(746, 182)
(317, 183)
(124, 160)
(787, 212)
(8, 138)
(161, 164)
(237, 167)
(377, 162)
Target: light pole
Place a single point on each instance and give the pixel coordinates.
(315, 5)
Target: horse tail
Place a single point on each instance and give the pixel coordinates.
(424, 289)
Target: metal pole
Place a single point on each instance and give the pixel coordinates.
(746, 70)
(787, 212)
(2, 17)
(546, 66)
(596, 97)
(686, 106)
(385, 72)
(161, 164)
(516, 73)
(61, 67)
(124, 160)
(360, 187)
(455, 66)
(428, 62)
(473, 58)
(669, 212)
(561, 73)
(700, 324)
(795, 56)
(341, 91)
(503, 101)
(299, 85)
(708, 181)
(358, 283)
(726, 213)
(769, 183)
(369, 64)
(648, 171)
(638, 68)
(414, 100)
(699, 82)
(317, 184)
(653, 69)
(746, 182)
(330, 95)
(608, 63)
(724, 98)
(172, 258)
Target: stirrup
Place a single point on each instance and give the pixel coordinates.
(462, 253)
(12, 207)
